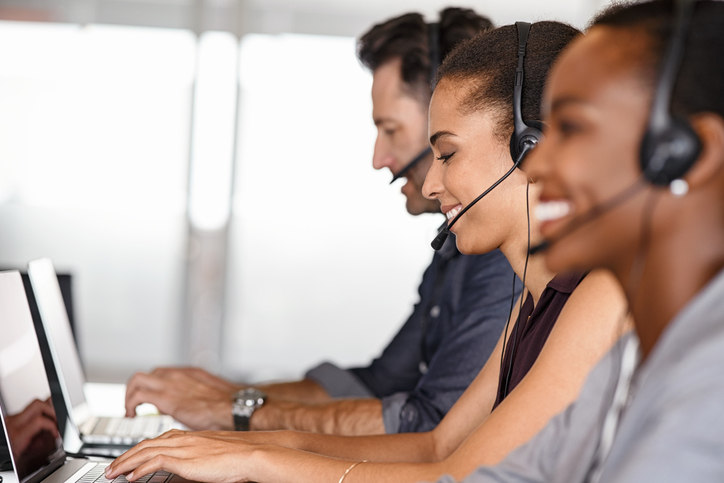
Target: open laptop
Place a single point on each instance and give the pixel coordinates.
(84, 431)
(25, 409)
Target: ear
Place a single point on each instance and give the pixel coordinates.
(710, 129)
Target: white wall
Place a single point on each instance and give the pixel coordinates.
(94, 141)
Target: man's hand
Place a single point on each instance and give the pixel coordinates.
(192, 396)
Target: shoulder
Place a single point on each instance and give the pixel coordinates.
(593, 317)
(598, 290)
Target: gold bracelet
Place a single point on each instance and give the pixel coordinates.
(351, 467)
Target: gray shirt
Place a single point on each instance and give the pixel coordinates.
(672, 429)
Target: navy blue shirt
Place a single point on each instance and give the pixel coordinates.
(464, 303)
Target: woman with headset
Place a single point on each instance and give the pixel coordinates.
(520, 388)
(633, 168)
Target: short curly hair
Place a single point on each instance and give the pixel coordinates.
(407, 37)
(486, 66)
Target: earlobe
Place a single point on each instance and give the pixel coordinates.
(710, 129)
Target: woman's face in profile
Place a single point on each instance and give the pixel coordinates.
(595, 111)
(469, 157)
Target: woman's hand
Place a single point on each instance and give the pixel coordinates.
(194, 456)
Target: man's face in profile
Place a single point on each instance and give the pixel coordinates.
(401, 121)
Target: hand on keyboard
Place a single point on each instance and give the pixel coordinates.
(192, 396)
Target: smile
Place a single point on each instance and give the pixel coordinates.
(453, 213)
(552, 210)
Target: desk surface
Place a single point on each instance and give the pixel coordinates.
(8, 477)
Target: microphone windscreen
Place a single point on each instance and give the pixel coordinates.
(541, 247)
(439, 240)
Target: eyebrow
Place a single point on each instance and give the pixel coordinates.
(382, 119)
(562, 102)
(438, 134)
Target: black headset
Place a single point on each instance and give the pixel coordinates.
(433, 44)
(670, 146)
(525, 134)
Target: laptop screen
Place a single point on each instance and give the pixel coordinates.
(60, 336)
(27, 413)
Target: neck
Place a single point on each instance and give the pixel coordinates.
(672, 275)
(516, 249)
(536, 274)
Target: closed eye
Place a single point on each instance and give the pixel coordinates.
(445, 157)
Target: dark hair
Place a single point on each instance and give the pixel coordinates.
(487, 63)
(407, 37)
(700, 79)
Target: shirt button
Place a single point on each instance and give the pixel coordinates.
(423, 367)
(435, 311)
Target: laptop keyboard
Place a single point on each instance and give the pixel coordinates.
(97, 475)
(125, 431)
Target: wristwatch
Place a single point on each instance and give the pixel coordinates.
(244, 403)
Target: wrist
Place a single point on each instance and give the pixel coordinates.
(221, 415)
(244, 404)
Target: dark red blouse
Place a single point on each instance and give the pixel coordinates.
(532, 329)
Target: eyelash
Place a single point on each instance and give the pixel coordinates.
(445, 157)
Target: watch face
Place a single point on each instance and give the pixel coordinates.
(250, 397)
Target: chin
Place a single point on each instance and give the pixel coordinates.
(558, 259)
(467, 248)
(417, 207)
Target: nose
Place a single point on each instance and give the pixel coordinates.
(433, 186)
(381, 157)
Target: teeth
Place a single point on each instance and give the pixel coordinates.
(552, 210)
(453, 213)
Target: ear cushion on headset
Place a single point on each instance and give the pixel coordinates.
(532, 134)
(668, 153)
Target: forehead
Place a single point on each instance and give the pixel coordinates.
(598, 66)
(450, 95)
(448, 114)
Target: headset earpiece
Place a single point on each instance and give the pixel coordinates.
(526, 139)
(667, 154)
(526, 134)
(669, 146)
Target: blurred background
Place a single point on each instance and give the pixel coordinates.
(203, 170)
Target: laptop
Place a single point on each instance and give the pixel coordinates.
(84, 431)
(34, 447)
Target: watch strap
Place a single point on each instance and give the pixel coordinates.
(241, 423)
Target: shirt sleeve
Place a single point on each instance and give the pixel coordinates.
(338, 382)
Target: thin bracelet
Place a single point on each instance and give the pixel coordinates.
(351, 467)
